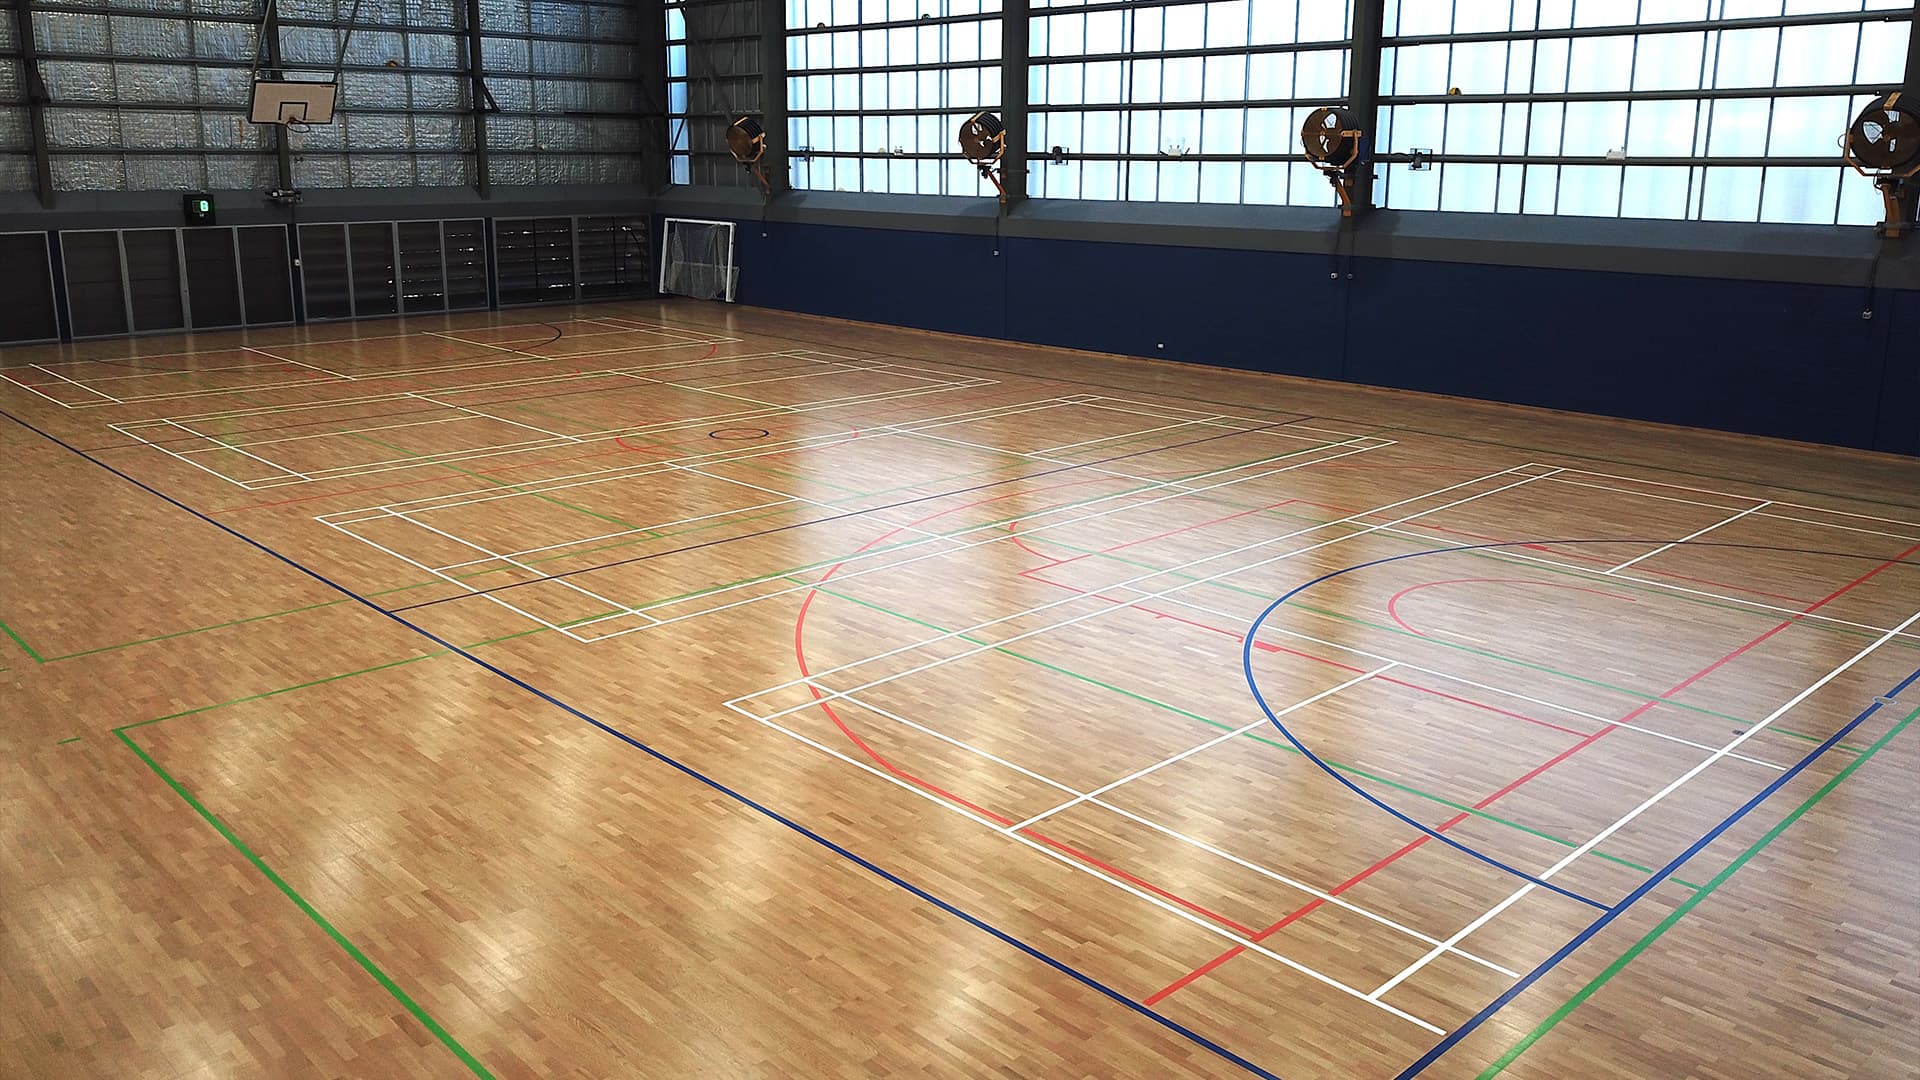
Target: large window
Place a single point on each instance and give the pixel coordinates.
(713, 79)
(877, 90)
(1180, 101)
(1704, 109)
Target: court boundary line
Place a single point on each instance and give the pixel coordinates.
(1726, 874)
(1472, 1023)
(686, 770)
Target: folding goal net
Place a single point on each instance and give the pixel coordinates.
(696, 259)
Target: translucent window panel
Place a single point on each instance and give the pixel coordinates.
(1179, 181)
(1271, 131)
(1731, 194)
(1745, 58)
(1812, 55)
(1739, 127)
(1421, 69)
(1808, 126)
(1417, 127)
(1227, 27)
(1589, 190)
(1802, 195)
(1225, 78)
(1669, 62)
(1320, 74)
(1220, 182)
(1472, 129)
(1600, 64)
(1883, 52)
(1655, 192)
(1468, 187)
(1593, 128)
(1410, 189)
(1661, 128)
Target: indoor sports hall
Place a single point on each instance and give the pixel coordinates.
(1354, 539)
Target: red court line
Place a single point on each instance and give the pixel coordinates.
(1393, 602)
(1032, 575)
(1304, 910)
(800, 658)
(1581, 556)
(564, 460)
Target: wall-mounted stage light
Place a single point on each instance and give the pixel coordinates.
(1333, 143)
(1883, 145)
(747, 142)
(983, 141)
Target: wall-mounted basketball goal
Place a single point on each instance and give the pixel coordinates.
(295, 103)
(696, 259)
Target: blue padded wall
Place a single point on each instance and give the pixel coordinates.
(1765, 358)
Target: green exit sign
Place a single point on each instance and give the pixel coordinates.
(199, 208)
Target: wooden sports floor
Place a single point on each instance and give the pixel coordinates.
(673, 690)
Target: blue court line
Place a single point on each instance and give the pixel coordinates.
(1608, 914)
(886, 875)
(1666, 871)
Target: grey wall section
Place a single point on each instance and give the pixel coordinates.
(1743, 328)
(162, 209)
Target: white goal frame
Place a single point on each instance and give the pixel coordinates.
(666, 246)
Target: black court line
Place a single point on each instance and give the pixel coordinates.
(871, 510)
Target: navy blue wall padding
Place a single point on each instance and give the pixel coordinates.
(1900, 392)
(1765, 358)
(926, 280)
(1242, 309)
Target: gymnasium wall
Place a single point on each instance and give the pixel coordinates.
(1792, 359)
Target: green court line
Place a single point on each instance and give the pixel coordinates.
(1111, 390)
(366, 963)
(504, 483)
(20, 641)
(195, 630)
(590, 551)
(1691, 902)
(1263, 740)
(64, 742)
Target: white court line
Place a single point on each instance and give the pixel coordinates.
(1690, 537)
(338, 521)
(1796, 613)
(998, 536)
(110, 398)
(1652, 801)
(624, 472)
(1463, 681)
(489, 416)
(300, 363)
(497, 450)
(1204, 924)
(1745, 498)
(813, 680)
(493, 597)
(584, 540)
(1718, 506)
(214, 444)
(1190, 751)
(1272, 875)
(1110, 438)
(564, 582)
(30, 388)
(517, 358)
